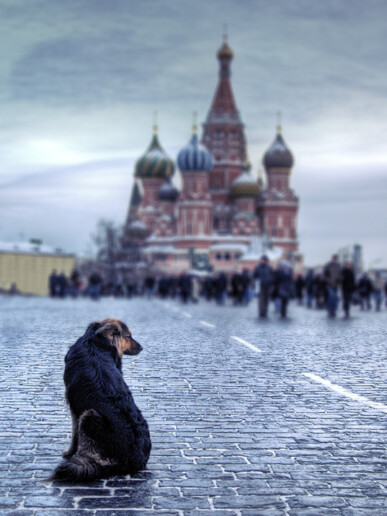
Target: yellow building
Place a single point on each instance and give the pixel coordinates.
(27, 267)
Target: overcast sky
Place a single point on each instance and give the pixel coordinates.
(80, 80)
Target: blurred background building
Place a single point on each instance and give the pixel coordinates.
(25, 267)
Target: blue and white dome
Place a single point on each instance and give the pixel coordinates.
(194, 157)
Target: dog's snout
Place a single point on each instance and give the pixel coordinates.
(134, 348)
(138, 346)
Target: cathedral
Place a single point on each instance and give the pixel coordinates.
(221, 210)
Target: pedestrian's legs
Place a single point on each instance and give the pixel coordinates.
(332, 301)
(284, 306)
(263, 301)
(378, 299)
(346, 304)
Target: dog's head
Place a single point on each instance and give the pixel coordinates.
(119, 336)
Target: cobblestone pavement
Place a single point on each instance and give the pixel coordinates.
(242, 418)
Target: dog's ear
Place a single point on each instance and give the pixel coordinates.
(109, 330)
(93, 327)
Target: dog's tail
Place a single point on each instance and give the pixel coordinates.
(78, 468)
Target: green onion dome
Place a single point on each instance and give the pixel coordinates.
(155, 162)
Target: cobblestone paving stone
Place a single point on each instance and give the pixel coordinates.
(234, 431)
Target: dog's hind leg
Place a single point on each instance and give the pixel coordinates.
(92, 425)
(74, 439)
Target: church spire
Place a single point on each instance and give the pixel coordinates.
(223, 105)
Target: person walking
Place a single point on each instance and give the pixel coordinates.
(347, 287)
(285, 286)
(365, 289)
(185, 287)
(378, 284)
(309, 287)
(75, 283)
(246, 287)
(332, 276)
(265, 274)
(300, 285)
(62, 283)
(149, 286)
(95, 285)
(53, 283)
(221, 284)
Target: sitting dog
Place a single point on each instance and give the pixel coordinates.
(110, 435)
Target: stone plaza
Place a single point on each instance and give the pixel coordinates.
(248, 417)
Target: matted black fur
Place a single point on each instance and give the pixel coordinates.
(110, 435)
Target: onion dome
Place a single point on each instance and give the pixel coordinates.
(225, 51)
(245, 185)
(155, 162)
(278, 155)
(168, 192)
(137, 229)
(194, 157)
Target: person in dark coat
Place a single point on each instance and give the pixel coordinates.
(300, 285)
(285, 286)
(75, 283)
(365, 289)
(149, 286)
(265, 274)
(332, 276)
(347, 286)
(53, 283)
(164, 287)
(95, 285)
(185, 287)
(221, 288)
(236, 288)
(246, 287)
(62, 285)
(309, 288)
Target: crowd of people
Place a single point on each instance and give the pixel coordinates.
(273, 285)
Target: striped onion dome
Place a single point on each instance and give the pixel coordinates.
(278, 154)
(194, 157)
(155, 162)
(244, 185)
(167, 192)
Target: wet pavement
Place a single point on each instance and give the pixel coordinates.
(247, 416)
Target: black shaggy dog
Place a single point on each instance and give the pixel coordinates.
(110, 435)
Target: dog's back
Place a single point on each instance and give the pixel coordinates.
(110, 435)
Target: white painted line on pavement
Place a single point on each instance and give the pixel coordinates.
(242, 341)
(205, 323)
(345, 392)
(187, 314)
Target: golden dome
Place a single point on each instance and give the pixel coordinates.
(225, 50)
